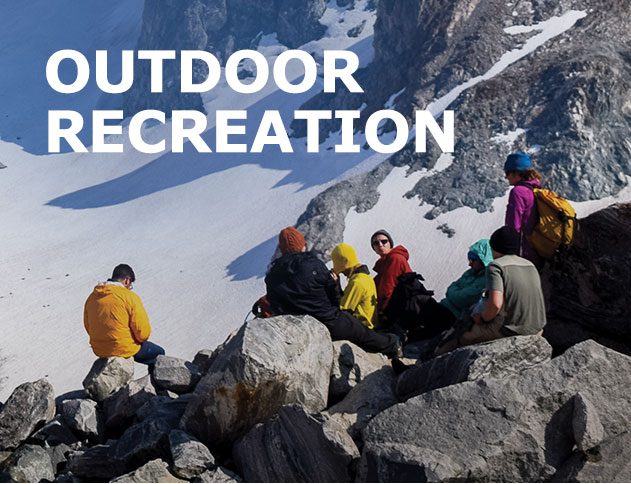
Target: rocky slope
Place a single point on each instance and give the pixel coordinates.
(217, 26)
(568, 102)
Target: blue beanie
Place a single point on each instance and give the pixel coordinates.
(517, 162)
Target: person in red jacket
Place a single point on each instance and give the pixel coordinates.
(393, 261)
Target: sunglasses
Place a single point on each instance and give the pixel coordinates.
(378, 242)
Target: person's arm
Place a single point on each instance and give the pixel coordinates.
(495, 288)
(332, 287)
(138, 320)
(515, 208)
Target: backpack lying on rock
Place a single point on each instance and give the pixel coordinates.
(555, 229)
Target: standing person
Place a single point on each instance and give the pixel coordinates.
(514, 304)
(117, 322)
(299, 283)
(521, 211)
(392, 262)
(360, 294)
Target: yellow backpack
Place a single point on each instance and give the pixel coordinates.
(557, 219)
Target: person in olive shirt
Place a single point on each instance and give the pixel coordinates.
(514, 304)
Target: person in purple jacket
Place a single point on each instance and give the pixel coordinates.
(521, 211)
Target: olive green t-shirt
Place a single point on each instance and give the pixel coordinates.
(519, 281)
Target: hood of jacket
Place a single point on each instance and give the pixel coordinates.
(482, 248)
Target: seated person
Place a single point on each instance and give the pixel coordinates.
(117, 322)
(299, 283)
(392, 262)
(467, 290)
(360, 294)
(514, 305)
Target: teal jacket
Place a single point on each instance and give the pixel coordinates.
(466, 291)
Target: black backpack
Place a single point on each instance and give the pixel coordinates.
(413, 308)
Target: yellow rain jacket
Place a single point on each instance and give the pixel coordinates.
(360, 297)
(116, 321)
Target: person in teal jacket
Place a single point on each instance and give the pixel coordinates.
(468, 289)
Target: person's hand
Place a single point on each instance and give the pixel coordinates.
(334, 276)
(477, 318)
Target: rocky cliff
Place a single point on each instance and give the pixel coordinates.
(568, 102)
(217, 26)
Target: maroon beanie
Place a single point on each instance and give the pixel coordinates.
(290, 241)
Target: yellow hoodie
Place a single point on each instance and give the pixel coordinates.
(116, 321)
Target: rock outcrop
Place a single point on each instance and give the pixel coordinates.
(511, 429)
(587, 288)
(220, 27)
(351, 365)
(268, 363)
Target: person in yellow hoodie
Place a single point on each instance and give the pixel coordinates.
(117, 322)
(360, 294)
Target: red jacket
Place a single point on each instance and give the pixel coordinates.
(388, 268)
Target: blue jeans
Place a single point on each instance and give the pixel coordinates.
(148, 353)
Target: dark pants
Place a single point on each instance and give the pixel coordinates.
(348, 328)
(148, 353)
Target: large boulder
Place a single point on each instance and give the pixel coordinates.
(190, 457)
(121, 407)
(153, 471)
(142, 442)
(30, 406)
(175, 374)
(351, 364)
(83, 417)
(165, 408)
(370, 397)
(495, 359)
(586, 425)
(30, 463)
(296, 447)
(268, 363)
(220, 474)
(107, 375)
(516, 428)
(54, 433)
(587, 290)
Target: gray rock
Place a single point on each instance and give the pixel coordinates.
(610, 462)
(30, 463)
(517, 428)
(175, 374)
(370, 397)
(351, 365)
(495, 359)
(190, 456)
(165, 408)
(153, 471)
(29, 407)
(586, 290)
(107, 375)
(121, 407)
(95, 463)
(203, 359)
(267, 364)
(142, 442)
(55, 432)
(588, 431)
(220, 474)
(296, 447)
(59, 456)
(84, 418)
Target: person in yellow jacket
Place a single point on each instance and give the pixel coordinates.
(117, 322)
(360, 294)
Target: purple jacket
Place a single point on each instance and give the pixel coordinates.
(521, 214)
